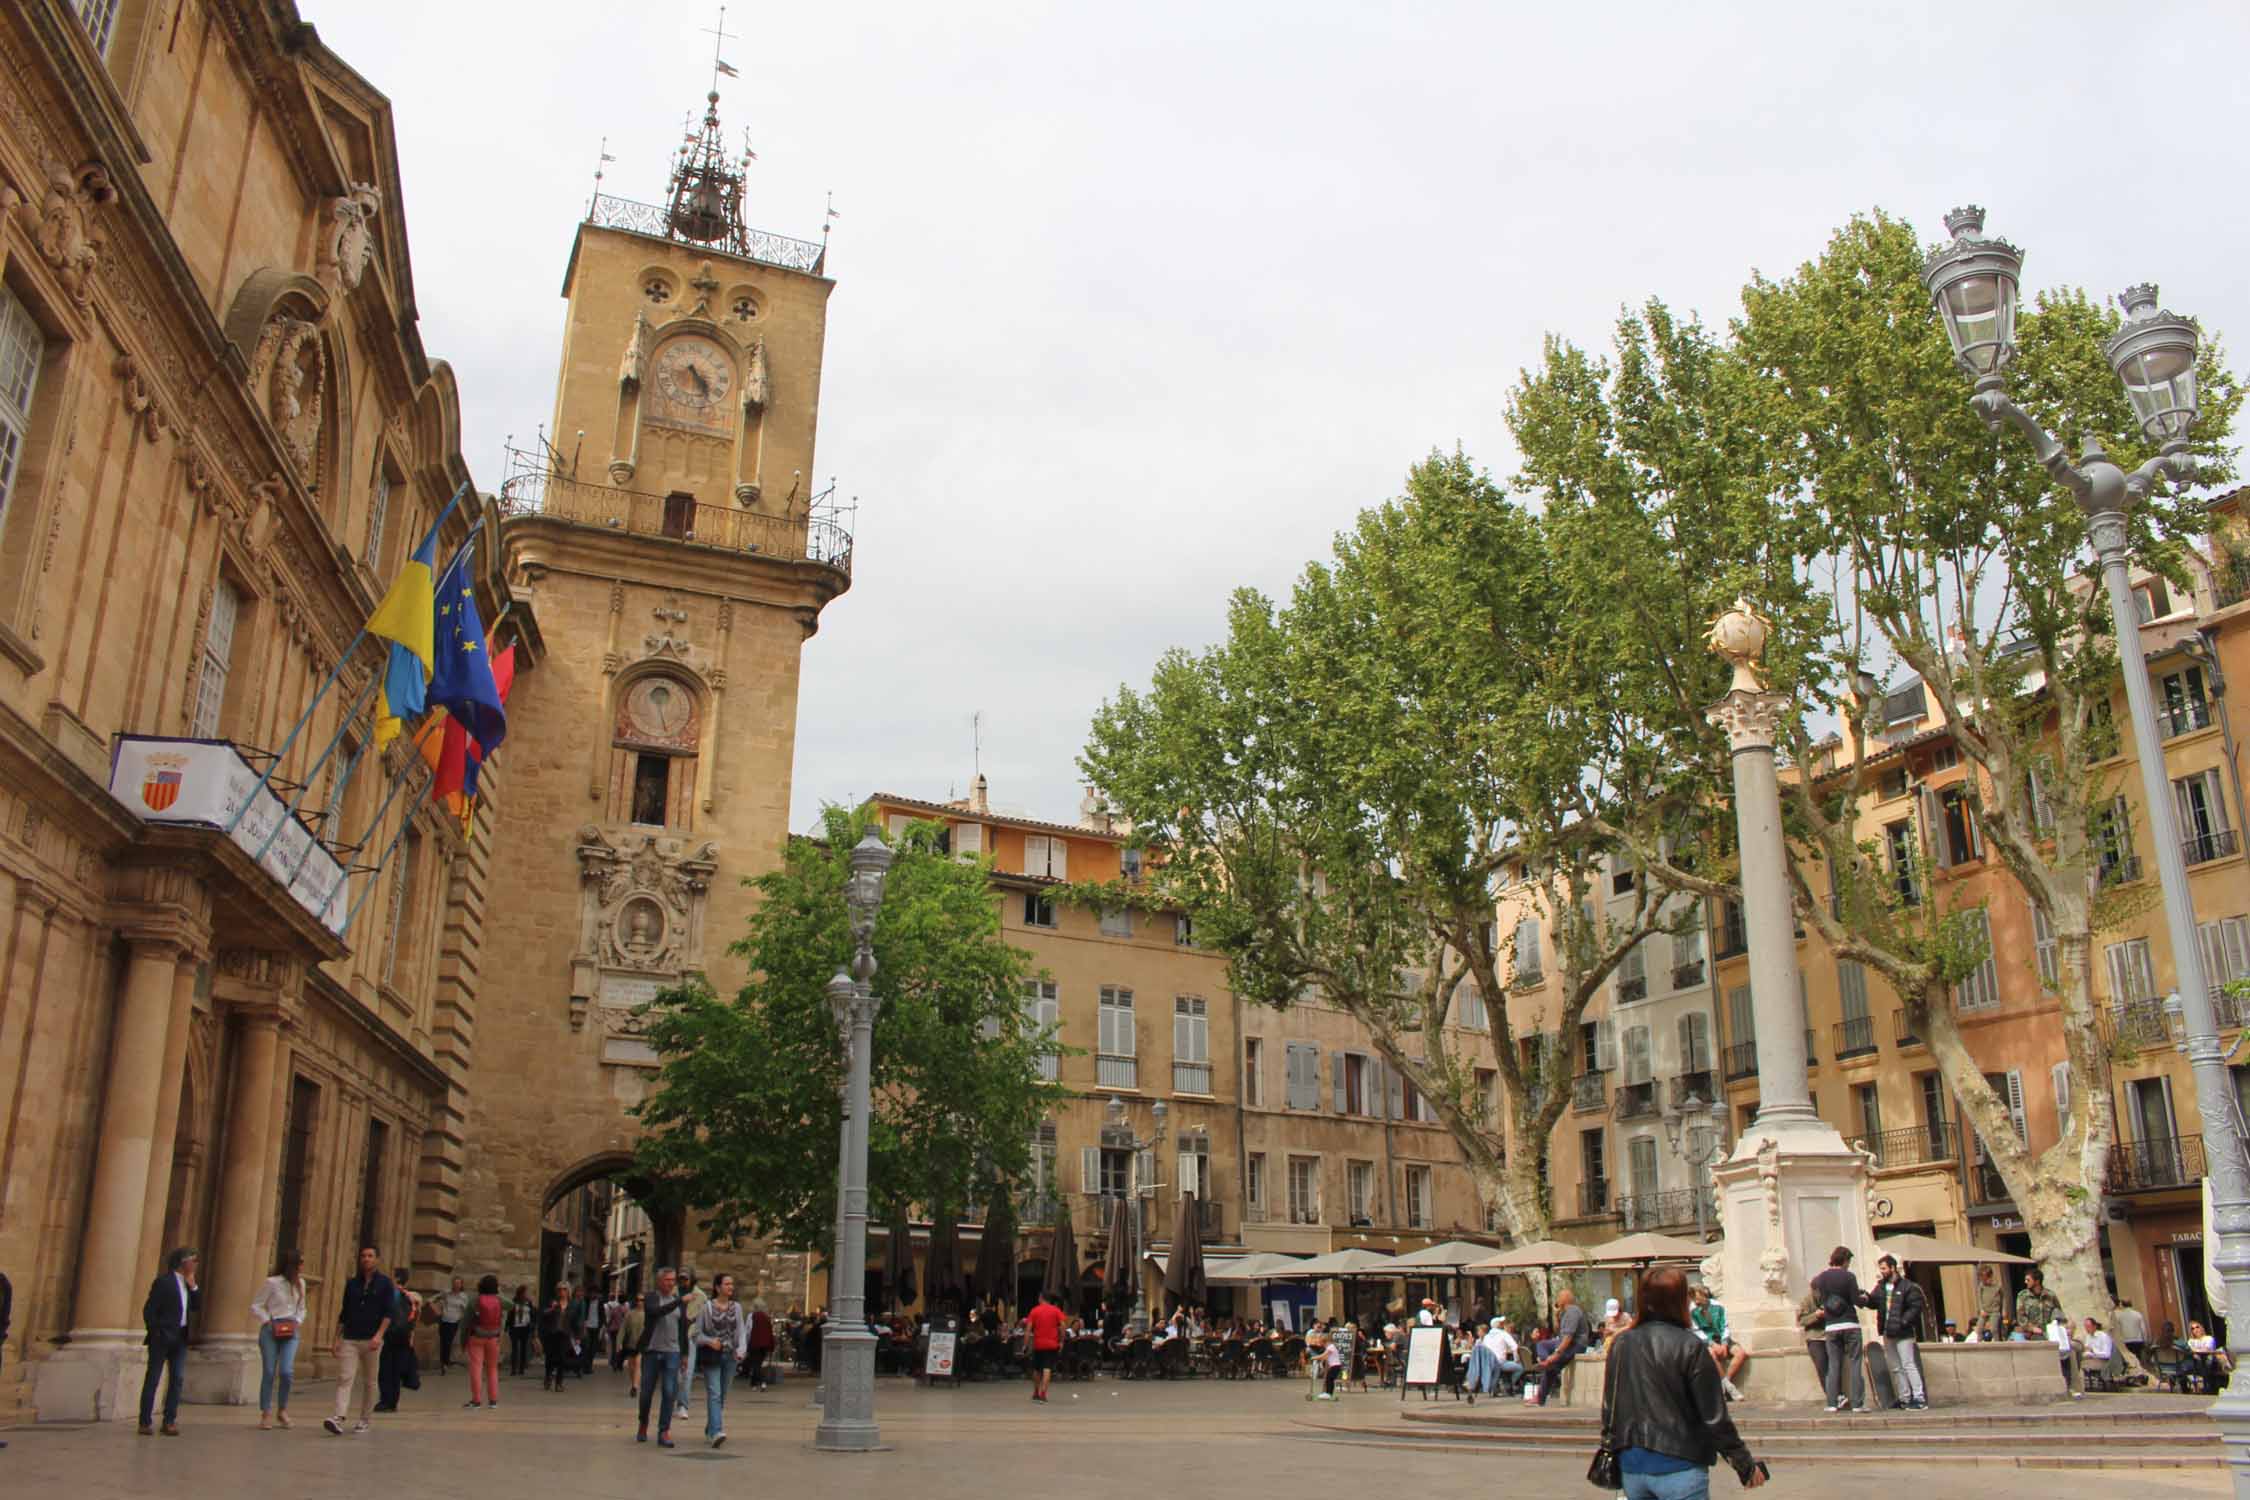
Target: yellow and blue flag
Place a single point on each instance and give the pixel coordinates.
(407, 618)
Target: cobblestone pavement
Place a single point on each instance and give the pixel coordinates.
(1196, 1440)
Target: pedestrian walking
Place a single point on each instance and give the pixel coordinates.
(1992, 1303)
(485, 1315)
(1573, 1331)
(165, 1315)
(400, 1369)
(555, 1335)
(450, 1306)
(722, 1337)
(1664, 1415)
(660, 1356)
(2131, 1330)
(523, 1322)
(630, 1336)
(1900, 1309)
(692, 1299)
(762, 1341)
(362, 1326)
(1840, 1301)
(1045, 1325)
(1814, 1322)
(280, 1310)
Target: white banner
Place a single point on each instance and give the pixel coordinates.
(203, 782)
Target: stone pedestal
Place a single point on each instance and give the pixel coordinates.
(1787, 1201)
(96, 1377)
(224, 1370)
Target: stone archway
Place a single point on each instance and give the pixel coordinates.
(605, 1224)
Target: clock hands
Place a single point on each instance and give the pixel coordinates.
(700, 383)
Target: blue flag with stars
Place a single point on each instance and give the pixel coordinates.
(461, 680)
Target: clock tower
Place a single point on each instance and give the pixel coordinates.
(673, 557)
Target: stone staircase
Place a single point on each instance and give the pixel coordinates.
(2090, 1435)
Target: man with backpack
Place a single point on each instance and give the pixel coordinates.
(1840, 1302)
(399, 1367)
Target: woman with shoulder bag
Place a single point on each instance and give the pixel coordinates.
(1664, 1414)
(722, 1337)
(484, 1315)
(523, 1318)
(280, 1311)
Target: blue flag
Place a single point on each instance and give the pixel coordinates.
(462, 683)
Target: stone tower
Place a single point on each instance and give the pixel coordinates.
(674, 560)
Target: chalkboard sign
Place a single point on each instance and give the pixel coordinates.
(1424, 1349)
(938, 1363)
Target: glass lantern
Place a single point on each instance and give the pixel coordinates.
(1972, 281)
(2154, 355)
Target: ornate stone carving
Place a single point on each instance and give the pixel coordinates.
(140, 398)
(350, 240)
(1773, 1262)
(63, 225)
(757, 383)
(292, 367)
(706, 287)
(1739, 635)
(634, 367)
(643, 899)
(1751, 720)
(669, 638)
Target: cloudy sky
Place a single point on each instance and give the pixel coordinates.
(1138, 304)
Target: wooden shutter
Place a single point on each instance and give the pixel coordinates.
(1394, 1092)
(1058, 858)
(968, 838)
(1336, 1069)
(2015, 1104)
(1187, 1173)
(1742, 1021)
(1695, 1042)
(2059, 1077)
(1636, 1054)
(1933, 824)
(1090, 1169)
(1605, 1044)
(1034, 854)
(1851, 990)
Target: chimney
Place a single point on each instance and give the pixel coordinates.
(979, 801)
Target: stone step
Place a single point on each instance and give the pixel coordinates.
(2170, 1455)
(1838, 1431)
(2092, 1422)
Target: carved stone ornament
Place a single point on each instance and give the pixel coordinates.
(63, 225)
(140, 398)
(1740, 635)
(634, 367)
(291, 367)
(757, 384)
(350, 241)
(642, 901)
(1751, 720)
(669, 638)
(1773, 1264)
(706, 287)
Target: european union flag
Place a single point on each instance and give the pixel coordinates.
(462, 682)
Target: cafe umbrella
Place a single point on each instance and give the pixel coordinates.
(1119, 1267)
(1183, 1268)
(1539, 1255)
(1061, 1281)
(941, 1278)
(898, 1261)
(996, 1254)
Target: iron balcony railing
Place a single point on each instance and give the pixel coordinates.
(1630, 990)
(2201, 848)
(1112, 1072)
(1687, 976)
(2230, 583)
(1636, 1101)
(1591, 1091)
(2153, 1165)
(1902, 1030)
(1656, 1210)
(2138, 1024)
(2184, 717)
(1696, 1083)
(1210, 1219)
(655, 221)
(1855, 1036)
(1593, 1198)
(1037, 1208)
(1918, 1146)
(534, 488)
(1191, 1078)
(1741, 1060)
(2120, 869)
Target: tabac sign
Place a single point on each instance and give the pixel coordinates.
(203, 782)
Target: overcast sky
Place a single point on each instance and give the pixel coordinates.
(1140, 303)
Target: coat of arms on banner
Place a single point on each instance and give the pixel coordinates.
(160, 786)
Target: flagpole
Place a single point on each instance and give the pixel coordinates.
(344, 721)
(376, 874)
(351, 769)
(330, 681)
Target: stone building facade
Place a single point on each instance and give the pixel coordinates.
(219, 432)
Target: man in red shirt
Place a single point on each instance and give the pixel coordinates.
(1046, 1323)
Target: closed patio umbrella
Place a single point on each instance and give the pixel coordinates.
(941, 1278)
(1062, 1261)
(1120, 1266)
(1183, 1269)
(996, 1255)
(898, 1261)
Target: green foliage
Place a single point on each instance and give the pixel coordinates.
(743, 1122)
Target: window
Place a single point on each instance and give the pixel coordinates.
(2035, 794)
(1593, 1159)
(1356, 1085)
(1419, 1214)
(1891, 785)
(1851, 989)
(1620, 876)
(1488, 1092)
(1118, 923)
(1590, 1046)
(1867, 1112)
(402, 901)
(1412, 1104)
(296, 1163)
(1191, 1046)
(1254, 1183)
(1632, 975)
(2131, 977)
(1195, 1165)
(1640, 1165)
(1687, 958)
(652, 789)
(1898, 843)
(1960, 840)
(1116, 1065)
(1742, 1020)
(1114, 1168)
(100, 18)
(2226, 949)
(1695, 1043)
(1528, 966)
(1905, 705)
(371, 1184)
(2204, 834)
(1042, 1012)
(2186, 707)
(1129, 863)
(1183, 931)
(1638, 1055)
(1046, 1183)
(2113, 836)
(1468, 1008)
(1359, 1191)
(968, 840)
(1038, 910)
(1944, 758)
(1047, 857)
(1304, 1190)
(1303, 1060)
(218, 660)
(2152, 600)
(2058, 1079)
(22, 348)
(2043, 948)
(1734, 929)
(1981, 989)
(1254, 1072)
(378, 512)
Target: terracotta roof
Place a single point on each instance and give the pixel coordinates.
(951, 813)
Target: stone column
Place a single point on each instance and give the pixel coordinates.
(110, 1274)
(171, 1083)
(1793, 1190)
(227, 1361)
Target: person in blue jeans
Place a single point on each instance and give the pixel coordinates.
(168, 1313)
(660, 1356)
(722, 1341)
(1664, 1413)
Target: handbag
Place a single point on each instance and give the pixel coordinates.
(1604, 1472)
(283, 1328)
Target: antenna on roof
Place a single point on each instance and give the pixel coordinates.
(603, 159)
(976, 733)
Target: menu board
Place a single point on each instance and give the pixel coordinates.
(939, 1361)
(1423, 1347)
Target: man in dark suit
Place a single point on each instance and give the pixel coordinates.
(171, 1304)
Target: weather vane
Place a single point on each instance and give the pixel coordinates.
(720, 36)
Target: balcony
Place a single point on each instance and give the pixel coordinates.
(659, 222)
(1741, 1060)
(2120, 870)
(2184, 717)
(1590, 1092)
(2138, 1025)
(1593, 1198)
(1986, 1190)
(1660, 1210)
(1191, 1078)
(1734, 934)
(1855, 1037)
(1697, 1083)
(1527, 979)
(1037, 1208)
(1637, 1101)
(1902, 1031)
(2230, 583)
(1921, 1146)
(2154, 1165)
(2202, 848)
(534, 488)
(1210, 1219)
(1111, 1072)
(1630, 990)
(1687, 976)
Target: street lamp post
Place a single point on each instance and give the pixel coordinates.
(1697, 1134)
(1147, 1189)
(847, 1388)
(1972, 280)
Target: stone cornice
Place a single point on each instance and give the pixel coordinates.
(595, 552)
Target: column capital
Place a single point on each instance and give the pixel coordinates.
(2106, 530)
(1750, 719)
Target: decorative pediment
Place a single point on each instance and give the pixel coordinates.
(642, 901)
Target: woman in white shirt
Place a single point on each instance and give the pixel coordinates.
(280, 1311)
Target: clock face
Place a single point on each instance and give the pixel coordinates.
(659, 712)
(693, 376)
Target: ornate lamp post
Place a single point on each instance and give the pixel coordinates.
(847, 1390)
(1973, 282)
(1115, 1112)
(1697, 1134)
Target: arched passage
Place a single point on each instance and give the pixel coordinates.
(604, 1226)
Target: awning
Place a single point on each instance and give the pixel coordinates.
(1452, 1255)
(1229, 1270)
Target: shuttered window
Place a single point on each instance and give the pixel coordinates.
(1529, 967)
(22, 349)
(1116, 1066)
(2226, 949)
(218, 660)
(1304, 1076)
(1049, 857)
(1042, 1012)
(2043, 949)
(2131, 977)
(1851, 989)
(1637, 1060)
(1695, 1042)
(1981, 989)
(968, 839)
(1742, 1019)
(100, 20)
(378, 515)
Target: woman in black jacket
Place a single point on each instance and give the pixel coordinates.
(1663, 1412)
